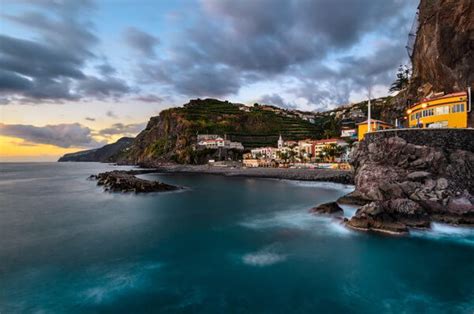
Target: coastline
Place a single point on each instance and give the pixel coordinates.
(328, 175)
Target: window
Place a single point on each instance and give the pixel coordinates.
(441, 110)
(427, 112)
(457, 108)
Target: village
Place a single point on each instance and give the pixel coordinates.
(436, 111)
(308, 153)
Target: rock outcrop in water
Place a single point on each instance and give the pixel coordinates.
(126, 181)
(331, 208)
(409, 185)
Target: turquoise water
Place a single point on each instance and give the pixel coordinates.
(223, 245)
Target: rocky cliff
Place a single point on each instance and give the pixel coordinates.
(108, 153)
(409, 178)
(443, 55)
(171, 136)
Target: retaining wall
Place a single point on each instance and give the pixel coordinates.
(444, 138)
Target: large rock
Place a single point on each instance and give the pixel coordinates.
(126, 181)
(408, 185)
(393, 216)
(331, 208)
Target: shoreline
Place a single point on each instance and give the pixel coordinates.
(320, 175)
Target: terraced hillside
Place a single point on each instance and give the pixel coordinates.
(258, 127)
(172, 134)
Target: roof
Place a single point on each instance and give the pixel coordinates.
(423, 100)
(328, 140)
(374, 121)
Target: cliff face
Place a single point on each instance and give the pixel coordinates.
(165, 136)
(108, 153)
(443, 56)
(412, 177)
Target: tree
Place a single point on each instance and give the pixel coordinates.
(292, 155)
(403, 78)
(283, 156)
(332, 151)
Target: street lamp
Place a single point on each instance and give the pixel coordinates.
(369, 118)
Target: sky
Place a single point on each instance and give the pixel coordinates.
(79, 74)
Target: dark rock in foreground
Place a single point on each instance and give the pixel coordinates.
(125, 181)
(407, 185)
(353, 199)
(331, 208)
(393, 216)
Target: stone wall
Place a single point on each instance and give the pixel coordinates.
(442, 138)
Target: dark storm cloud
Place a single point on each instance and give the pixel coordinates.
(51, 67)
(61, 135)
(10, 81)
(106, 69)
(149, 98)
(276, 100)
(141, 41)
(122, 129)
(102, 88)
(236, 43)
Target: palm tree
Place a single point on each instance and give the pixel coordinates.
(332, 151)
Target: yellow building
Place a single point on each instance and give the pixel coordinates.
(375, 125)
(448, 111)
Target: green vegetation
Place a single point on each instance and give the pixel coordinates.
(258, 127)
(331, 152)
(403, 79)
(172, 135)
(161, 147)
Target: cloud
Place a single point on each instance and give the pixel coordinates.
(89, 119)
(111, 114)
(61, 135)
(50, 67)
(317, 52)
(106, 69)
(103, 87)
(149, 98)
(276, 100)
(234, 44)
(123, 129)
(141, 41)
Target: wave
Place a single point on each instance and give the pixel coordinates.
(349, 210)
(323, 185)
(110, 284)
(443, 232)
(300, 220)
(264, 257)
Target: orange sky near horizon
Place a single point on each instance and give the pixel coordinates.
(15, 149)
(94, 115)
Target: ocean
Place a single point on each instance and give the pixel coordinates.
(220, 245)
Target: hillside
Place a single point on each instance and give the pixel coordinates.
(172, 134)
(107, 153)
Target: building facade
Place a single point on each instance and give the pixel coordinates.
(448, 111)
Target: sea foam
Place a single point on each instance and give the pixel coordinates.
(443, 232)
(299, 220)
(107, 285)
(264, 257)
